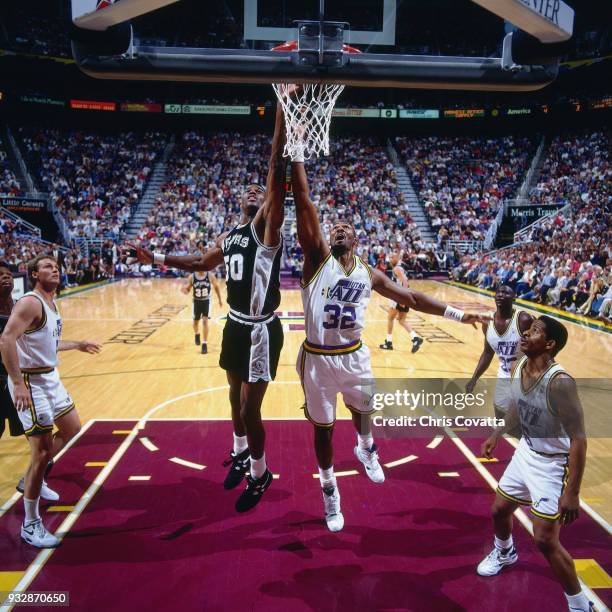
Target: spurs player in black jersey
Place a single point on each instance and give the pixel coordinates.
(7, 408)
(200, 283)
(253, 335)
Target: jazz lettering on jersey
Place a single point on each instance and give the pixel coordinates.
(506, 351)
(345, 291)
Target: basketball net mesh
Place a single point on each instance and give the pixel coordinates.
(308, 110)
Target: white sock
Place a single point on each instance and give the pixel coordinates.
(413, 334)
(578, 602)
(327, 477)
(240, 444)
(258, 466)
(365, 442)
(503, 544)
(389, 338)
(31, 509)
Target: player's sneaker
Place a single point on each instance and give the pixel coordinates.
(369, 458)
(240, 466)
(46, 492)
(333, 514)
(387, 346)
(34, 533)
(496, 560)
(416, 343)
(204, 348)
(254, 491)
(197, 339)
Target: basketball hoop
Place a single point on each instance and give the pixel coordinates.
(308, 110)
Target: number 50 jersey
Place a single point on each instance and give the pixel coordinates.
(335, 302)
(253, 272)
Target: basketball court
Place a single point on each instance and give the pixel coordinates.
(142, 502)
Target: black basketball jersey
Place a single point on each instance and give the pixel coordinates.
(3, 321)
(253, 272)
(201, 287)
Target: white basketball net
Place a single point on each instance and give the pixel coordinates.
(308, 110)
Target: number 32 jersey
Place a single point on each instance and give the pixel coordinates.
(253, 272)
(335, 302)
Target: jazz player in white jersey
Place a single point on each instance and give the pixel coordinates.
(547, 467)
(336, 288)
(29, 346)
(502, 336)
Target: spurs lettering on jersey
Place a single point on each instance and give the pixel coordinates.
(201, 286)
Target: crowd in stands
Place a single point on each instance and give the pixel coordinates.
(95, 179)
(200, 198)
(565, 261)
(462, 181)
(575, 165)
(9, 184)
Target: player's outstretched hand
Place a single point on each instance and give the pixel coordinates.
(143, 255)
(473, 318)
(469, 387)
(488, 446)
(87, 346)
(569, 504)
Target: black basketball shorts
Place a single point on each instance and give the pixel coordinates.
(8, 412)
(201, 308)
(252, 349)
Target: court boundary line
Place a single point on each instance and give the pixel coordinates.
(550, 310)
(91, 287)
(519, 513)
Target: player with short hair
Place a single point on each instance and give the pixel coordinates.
(502, 336)
(546, 469)
(399, 311)
(199, 284)
(29, 346)
(253, 334)
(336, 289)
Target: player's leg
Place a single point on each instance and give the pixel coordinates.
(391, 315)
(546, 535)
(68, 425)
(320, 391)
(403, 322)
(260, 478)
(32, 530)
(196, 322)
(503, 553)
(354, 374)
(239, 455)
(205, 309)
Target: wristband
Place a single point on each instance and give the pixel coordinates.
(159, 259)
(453, 313)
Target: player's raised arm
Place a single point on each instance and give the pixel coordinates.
(421, 301)
(269, 219)
(190, 263)
(564, 400)
(309, 233)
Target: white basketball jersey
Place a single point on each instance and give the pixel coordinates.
(37, 348)
(335, 302)
(505, 345)
(542, 428)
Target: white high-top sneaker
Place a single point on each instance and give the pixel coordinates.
(46, 492)
(331, 502)
(495, 561)
(34, 533)
(369, 458)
